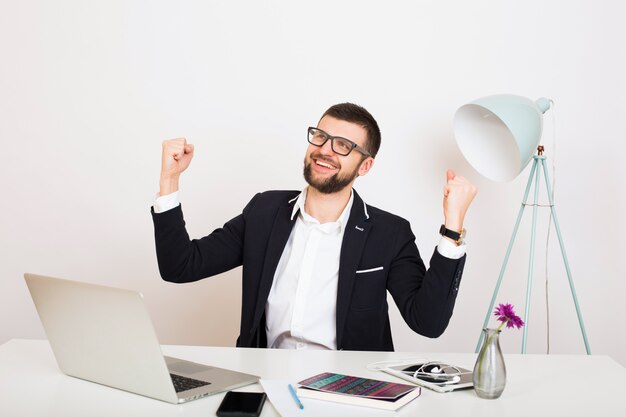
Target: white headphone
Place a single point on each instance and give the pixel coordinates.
(434, 372)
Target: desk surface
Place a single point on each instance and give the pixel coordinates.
(537, 385)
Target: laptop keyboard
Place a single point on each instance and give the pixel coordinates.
(183, 383)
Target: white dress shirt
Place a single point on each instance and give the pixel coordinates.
(301, 308)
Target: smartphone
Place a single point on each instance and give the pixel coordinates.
(241, 404)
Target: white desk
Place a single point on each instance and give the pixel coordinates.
(537, 385)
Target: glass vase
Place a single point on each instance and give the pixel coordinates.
(490, 372)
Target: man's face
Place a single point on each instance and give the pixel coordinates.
(327, 171)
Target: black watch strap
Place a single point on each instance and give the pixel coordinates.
(456, 236)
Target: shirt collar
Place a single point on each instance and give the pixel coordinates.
(307, 218)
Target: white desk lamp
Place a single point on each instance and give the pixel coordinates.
(498, 135)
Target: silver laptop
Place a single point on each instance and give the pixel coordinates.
(105, 335)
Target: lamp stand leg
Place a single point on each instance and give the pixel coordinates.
(508, 253)
(531, 257)
(564, 255)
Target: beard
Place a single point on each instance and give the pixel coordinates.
(330, 185)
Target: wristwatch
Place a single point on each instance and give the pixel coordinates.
(456, 236)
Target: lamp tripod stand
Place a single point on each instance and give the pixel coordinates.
(538, 159)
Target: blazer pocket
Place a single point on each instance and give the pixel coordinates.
(370, 289)
(365, 271)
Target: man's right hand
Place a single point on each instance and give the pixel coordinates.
(176, 157)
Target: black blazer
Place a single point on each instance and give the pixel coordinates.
(372, 238)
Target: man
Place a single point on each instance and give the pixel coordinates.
(317, 264)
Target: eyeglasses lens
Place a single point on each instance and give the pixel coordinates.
(317, 137)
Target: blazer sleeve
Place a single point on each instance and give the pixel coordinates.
(425, 298)
(182, 259)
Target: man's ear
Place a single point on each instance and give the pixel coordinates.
(366, 165)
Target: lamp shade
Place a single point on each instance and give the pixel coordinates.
(499, 134)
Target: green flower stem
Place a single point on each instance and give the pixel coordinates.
(480, 363)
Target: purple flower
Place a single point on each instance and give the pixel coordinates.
(507, 316)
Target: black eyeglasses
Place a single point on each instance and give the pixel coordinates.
(339, 145)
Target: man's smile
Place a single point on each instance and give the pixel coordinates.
(323, 164)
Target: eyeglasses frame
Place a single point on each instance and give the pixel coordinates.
(332, 138)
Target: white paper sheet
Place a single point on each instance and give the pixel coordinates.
(280, 397)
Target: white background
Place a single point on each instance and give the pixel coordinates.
(88, 90)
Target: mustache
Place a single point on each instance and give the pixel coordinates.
(322, 158)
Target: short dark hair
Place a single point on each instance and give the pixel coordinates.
(354, 113)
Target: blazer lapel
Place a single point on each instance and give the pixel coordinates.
(283, 224)
(354, 239)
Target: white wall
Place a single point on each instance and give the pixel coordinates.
(88, 90)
